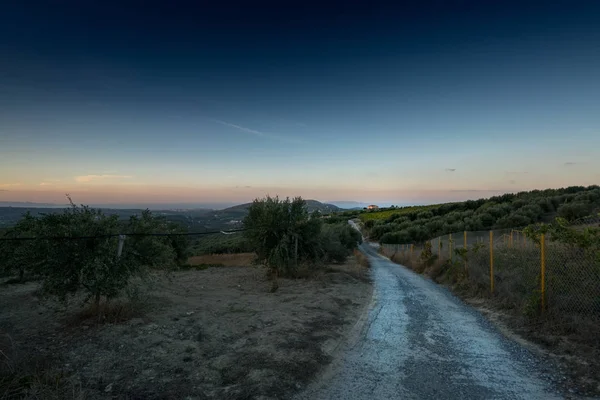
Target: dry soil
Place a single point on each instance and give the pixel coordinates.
(217, 333)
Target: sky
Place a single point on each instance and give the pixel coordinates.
(194, 102)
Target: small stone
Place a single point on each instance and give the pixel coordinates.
(189, 313)
(108, 388)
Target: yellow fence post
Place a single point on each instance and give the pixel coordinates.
(450, 247)
(492, 262)
(543, 270)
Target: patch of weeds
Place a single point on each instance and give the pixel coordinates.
(34, 378)
(113, 312)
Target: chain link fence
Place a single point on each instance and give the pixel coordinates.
(545, 276)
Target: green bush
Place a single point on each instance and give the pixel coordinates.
(338, 241)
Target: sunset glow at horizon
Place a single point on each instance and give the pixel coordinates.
(411, 105)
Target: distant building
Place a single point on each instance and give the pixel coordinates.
(372, 207)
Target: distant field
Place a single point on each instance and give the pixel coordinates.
(398, 211)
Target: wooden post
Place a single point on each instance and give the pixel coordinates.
(296, 252)
(543, 270)
(492, 262)
(465, 247)
(450, 247)
(120, 248)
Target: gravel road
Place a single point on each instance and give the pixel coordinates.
(420, 342)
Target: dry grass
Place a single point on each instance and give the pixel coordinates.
(225, 260)
(361, 258)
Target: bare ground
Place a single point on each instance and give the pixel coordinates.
(216, 333)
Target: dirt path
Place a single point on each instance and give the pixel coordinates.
(216, 333)
(421, 342)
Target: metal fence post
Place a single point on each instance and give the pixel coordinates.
(543, 270)
(492, 262)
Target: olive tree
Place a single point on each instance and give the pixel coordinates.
(282, 233)
(76, 250)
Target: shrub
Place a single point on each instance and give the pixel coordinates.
(339, 241)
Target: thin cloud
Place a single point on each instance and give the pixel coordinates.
(570, 163)
(516, 172)
(512, 182)
(257, 133)
(3, 190)
(91, 178)
(8, 185)
(450, 169)
(49, 182)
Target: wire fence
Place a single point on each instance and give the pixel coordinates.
(544, 276)
(19, 238)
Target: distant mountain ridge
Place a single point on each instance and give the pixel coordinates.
(312, 205)
(194, 219)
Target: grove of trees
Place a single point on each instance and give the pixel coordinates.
(513, 210)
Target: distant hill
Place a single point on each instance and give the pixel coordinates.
(349, 205)
(196, 220)
(312, 205)
(416, 224)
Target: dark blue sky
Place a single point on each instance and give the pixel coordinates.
(192, 100)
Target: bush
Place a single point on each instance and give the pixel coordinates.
(339, 241)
